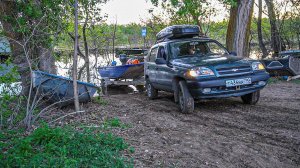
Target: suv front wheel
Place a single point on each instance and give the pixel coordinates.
(251, 98)
(151, 91)
(186, 101)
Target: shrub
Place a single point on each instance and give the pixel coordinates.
(64, 147)
(9, 95)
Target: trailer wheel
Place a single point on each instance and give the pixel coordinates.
(103, 87)
(186, 101)
(151, 91)
(251, 98)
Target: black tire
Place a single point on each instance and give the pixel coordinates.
(176, 90)
(251, 98)
(152, 93)
(185, 100)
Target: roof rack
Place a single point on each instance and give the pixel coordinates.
(177, 32)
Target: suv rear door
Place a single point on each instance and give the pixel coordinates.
(150, 66)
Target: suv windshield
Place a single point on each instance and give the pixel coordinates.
(196, 48)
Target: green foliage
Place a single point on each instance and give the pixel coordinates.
(99, 100)
(63, 147)
(229, 2)
(273, 80)
(9, 98)
(47, 16)
(114, 122)
(297, 81)
(266, 27)
(195, 12)
(218, 30)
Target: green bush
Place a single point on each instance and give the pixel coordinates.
(62, 147)
(99, 100)
(115, 122)
(9, 95)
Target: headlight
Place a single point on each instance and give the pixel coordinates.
(256, 66)
(200, 71)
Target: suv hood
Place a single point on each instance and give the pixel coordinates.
(190, 62)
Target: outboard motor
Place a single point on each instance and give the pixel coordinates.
(123, 58)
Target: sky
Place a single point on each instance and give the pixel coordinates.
(132, 11)
(126, 11)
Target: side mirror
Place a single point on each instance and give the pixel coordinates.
(233, 53)
(160, 61)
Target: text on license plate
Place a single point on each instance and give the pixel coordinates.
(238, 82)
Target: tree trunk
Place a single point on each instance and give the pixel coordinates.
(239, 28)
(46, 60)
(298, 38)
(231, 28)
(86, 49)
(288, 42)
(113, 40)
(275, 38)
(241, 42)
(259, 31)
(75, 59)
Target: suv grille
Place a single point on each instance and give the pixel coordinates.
(236, 70)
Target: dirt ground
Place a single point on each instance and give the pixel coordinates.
(220, 133)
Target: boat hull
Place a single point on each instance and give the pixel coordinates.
(60, 90)
(289, 66)
(131, 71)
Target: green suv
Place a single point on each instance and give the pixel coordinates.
(194, 67)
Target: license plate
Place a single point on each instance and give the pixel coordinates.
(238, 82)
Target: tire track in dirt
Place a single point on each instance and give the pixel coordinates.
(221, 133)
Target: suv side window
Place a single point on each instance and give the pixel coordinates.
(215, 48)
(162, 53)
(152, 55)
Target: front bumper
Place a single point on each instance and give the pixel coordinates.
(219, 90)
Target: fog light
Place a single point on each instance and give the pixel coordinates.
(206, 90)
(262, 83)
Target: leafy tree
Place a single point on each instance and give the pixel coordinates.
(188, 11)
(33, 27)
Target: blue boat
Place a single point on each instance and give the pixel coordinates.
(60, 90)
(287, 64)
(131, 71)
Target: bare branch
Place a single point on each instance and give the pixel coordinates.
(76, 112)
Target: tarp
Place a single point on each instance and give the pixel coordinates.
(12, 88)
(4, 46)
(4, 69)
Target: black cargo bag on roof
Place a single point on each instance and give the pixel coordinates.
(178, 31)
